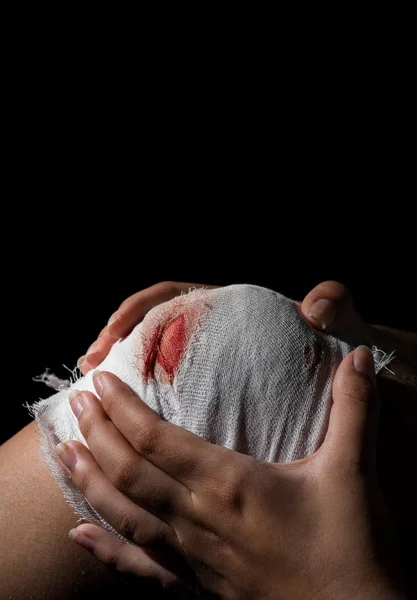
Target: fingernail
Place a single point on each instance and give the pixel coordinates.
(323, 311)
(80, 360)
(93, 348)
(112, 319)
(66, 455)
(77, 402)
(81, 539)
(98, 382)
(363, 362)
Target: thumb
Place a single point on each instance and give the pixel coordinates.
(353, 425)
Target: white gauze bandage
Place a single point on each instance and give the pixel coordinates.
(237, 366)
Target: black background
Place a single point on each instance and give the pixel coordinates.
(62, 282)
(276, 161)
(119, 174)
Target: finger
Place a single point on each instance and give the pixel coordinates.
(134, 308)
(102, 332)
(83, 365)
(82, 362)
(329, 307)
(130, 473)
(129, 314)
(125, 557)
(353, 424)
(98, 351)
(127, 518)
(176, 451)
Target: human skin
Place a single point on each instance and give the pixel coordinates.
(328, 307)
(128, 315)
(37, 561)
(36, 542)
(318, 526)
(336, 313)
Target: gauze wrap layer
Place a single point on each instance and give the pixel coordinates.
(237, 366)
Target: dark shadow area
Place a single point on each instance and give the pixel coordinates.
(61, 290)
(62, 285)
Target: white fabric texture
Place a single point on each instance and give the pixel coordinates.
(237, 366)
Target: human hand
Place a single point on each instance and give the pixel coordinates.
(128, 315)
(328, 307)
(315, 528)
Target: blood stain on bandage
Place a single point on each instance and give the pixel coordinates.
(166, 341)
(171, 345)
(165, 347)
(151, 347)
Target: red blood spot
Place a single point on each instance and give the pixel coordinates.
(165, 346)
(171, 346)
(150, 353)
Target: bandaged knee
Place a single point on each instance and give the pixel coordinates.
(237, 366)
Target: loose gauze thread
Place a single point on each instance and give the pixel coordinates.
(250, 375)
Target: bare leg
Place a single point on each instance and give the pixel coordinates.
(38, 561)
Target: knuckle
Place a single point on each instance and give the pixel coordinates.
(123, 476)
(110, 554)
(127, 526)
(232, 487)
(111, 402)
(84, 479)
(147, 439)
(156, 536)
(87, 424)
